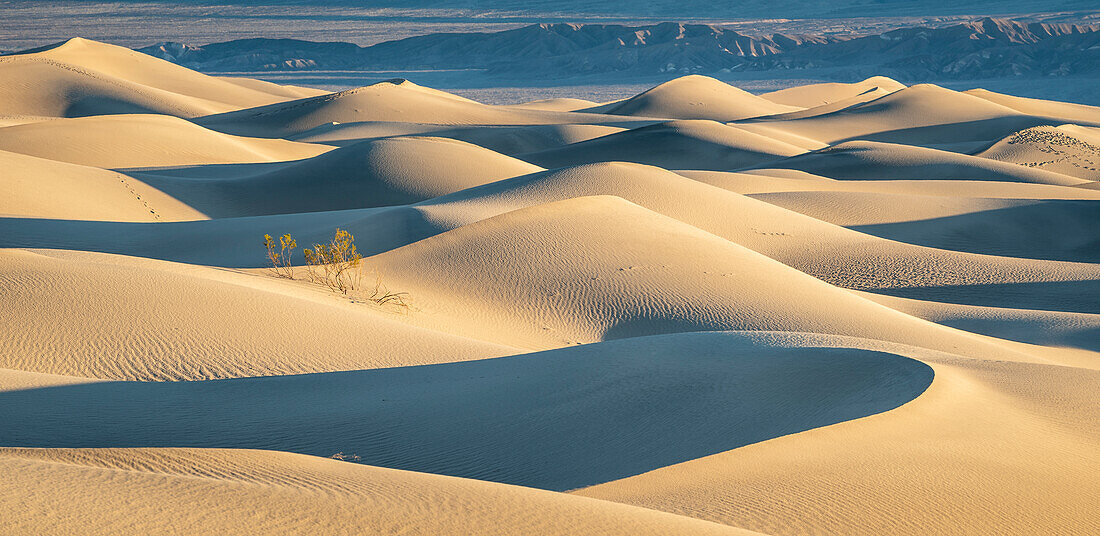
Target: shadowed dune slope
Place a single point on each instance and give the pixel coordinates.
(1007, 227)
(244, 492)
(830, 107)
(510, 140)
(126, 141)
(777, 180)
(388, 171)
(990, 448)
(696, 97)
(1052, 328)
(813, 95)
(81, 77)
(684, 144)
(868, 160)
(511, 420)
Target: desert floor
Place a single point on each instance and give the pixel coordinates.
(832, 309)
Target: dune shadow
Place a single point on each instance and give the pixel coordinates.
(1064, 296)
(228, 242)
(1057, 230)
(558, 419)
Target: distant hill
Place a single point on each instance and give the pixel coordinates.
(669, 9)
(983, 48)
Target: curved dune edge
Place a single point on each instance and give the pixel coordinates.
(217, 491)
(989, 448)
(558, 420)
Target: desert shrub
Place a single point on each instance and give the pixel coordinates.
(336, 265)
(346, 457)
(280, 260)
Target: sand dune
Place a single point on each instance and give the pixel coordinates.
(128, 141)
(558, 104)
(136, 319)
(80, 77)
(509, 140)
(393, 100)
(840, 256)
(685, 144)
(1068, 111)
(852, 309)
(990, 448)
(827, 108)
(861, 160)
(388, 171)
(507, 420)
(696, 97)
(813, 95)
(38, 188)
(979, 225)
(1032, 326)
(1066, 149)
(217, 491)
(774, 180)
(921, 114)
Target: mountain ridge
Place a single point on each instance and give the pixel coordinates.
(980, 48)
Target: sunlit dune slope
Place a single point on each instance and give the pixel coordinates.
(216, 492)
(1066, 149)
(133, 319)
(813, 95)
(919, 115)
(696, 97)
(127, 141)
(80, 77)
(38, 188)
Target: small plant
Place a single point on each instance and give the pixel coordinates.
(336, 264)
(280, 260)
(346, 457)
(382, 296)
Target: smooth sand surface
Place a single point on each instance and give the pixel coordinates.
(80, 77)
(813, 95)
(832, 309)
(696, 97)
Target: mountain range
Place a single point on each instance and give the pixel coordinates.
(983, 48)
